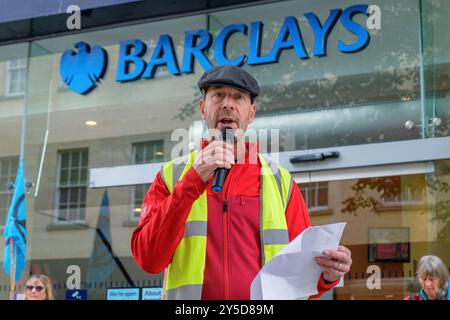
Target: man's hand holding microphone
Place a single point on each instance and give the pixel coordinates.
(218, 154)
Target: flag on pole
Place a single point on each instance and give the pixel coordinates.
(101, 263)
(15, 231)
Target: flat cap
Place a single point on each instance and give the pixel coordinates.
(230, 76)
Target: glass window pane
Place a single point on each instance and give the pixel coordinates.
(3, 183)
(83, 177)
(74, 197)
(14, 165)
(148, 152)
(13, 76)
(63, 196)
(4, 167)
(75, 159)
(84, 161)
(139, 155)
(13, 87)
(312, 197)
(323, 197)
(4, 203)
(63, 177)
(3, 214)
(82, 197)
(159, 151)
(65, 160)
(62, 216)
(73, 214)
(74, 176)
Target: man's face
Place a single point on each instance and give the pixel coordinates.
(227, 107)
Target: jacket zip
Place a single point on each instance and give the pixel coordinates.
(226, 256)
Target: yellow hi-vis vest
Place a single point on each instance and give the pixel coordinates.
(184, 275)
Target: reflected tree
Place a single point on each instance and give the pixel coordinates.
(368, 192)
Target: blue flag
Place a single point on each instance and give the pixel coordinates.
(15, 228)
(101, 263)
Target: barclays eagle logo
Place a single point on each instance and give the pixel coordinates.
(81, 70)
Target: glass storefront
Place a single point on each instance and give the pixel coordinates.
(392, 221)
(80, 214)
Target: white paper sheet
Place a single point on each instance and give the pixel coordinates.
(293, 273)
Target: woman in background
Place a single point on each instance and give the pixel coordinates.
(433, 278)
(39, 287)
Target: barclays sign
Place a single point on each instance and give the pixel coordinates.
(81, 70)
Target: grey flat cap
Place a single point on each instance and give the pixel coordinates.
(230, 76)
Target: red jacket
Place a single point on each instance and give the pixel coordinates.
(233, 231)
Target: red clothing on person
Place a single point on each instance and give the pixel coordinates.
(233, 249)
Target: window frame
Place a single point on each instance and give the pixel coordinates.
(306, 187)
(56, 217)
(404, 202)
(133, 214)
(8, 80)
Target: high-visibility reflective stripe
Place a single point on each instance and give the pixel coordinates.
(185, 272)
(272, 249)
(167, 174)
(187, 292)
(261, 212)
(276, 172)
(275, 236)
(199, 210)
(289, 191)
(195, 228)
(274, 233)
(277, 175)
(174, 170)
(190, 161)
(177, 170)
(285, 185)
(188, 263)
(272, 203)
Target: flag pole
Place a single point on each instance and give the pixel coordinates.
(12, 269)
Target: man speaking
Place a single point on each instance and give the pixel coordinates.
(212, 242)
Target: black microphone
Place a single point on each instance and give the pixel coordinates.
(221, 173)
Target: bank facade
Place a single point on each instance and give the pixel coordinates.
(367, 83)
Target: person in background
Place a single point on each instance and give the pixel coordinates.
(433, 278)
(38, 287)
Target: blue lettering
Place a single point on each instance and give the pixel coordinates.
(321, 33)
(289, 28)
(191, 50)
(358, 30)
(126, 58)
(221, 41)
(254, 49)
(132, 66)
(164, 54)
